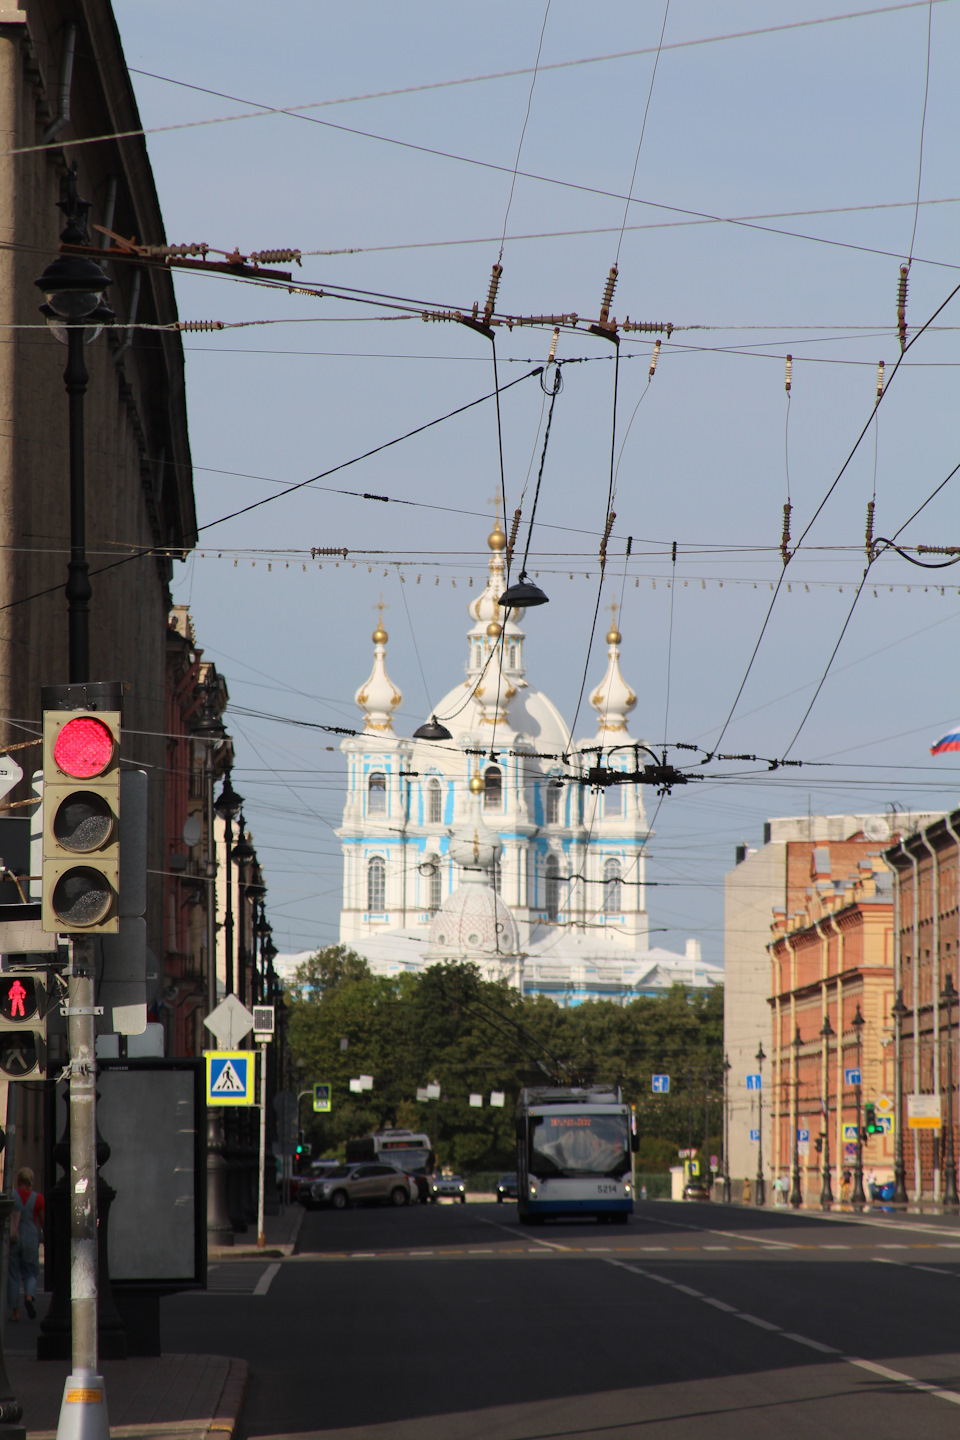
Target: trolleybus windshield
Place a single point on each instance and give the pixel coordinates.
(579, 1145)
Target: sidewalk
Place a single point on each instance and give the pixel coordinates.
(189, 1397)
(280, 1232)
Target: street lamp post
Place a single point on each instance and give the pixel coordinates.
(227, 805)
(761, 1185)
(796, 1194)
(950, 1198)
(243, 854)
(74, 287)
(726, 1128)
(858, 1196)
(899, 1012)
(826, 1189)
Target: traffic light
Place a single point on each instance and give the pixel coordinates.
(870, 1126)
(81, 821)
(819, 1144)
(23, 1026)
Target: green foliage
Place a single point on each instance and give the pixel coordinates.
(468, 1035)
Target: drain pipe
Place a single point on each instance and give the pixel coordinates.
(935, 1027)
(66, 81)
(131, 316)
(948, 821)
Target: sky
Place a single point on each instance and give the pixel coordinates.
(773, 202)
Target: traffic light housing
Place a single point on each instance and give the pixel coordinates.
(81, 821)
(23, 1026)
(819, 1144)
(870, 1126)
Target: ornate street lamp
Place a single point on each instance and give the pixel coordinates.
(227, 805)
(950, 1198)
(74, 287)
(761, 1185)
(726, 1067)
(858, 1196)
(826, 1189)
(899, 1012)
(796, 1194)
(243, 854)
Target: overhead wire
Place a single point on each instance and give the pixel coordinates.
(643, 126)
(523, 131)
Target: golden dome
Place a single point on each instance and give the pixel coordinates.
(476, 784)
(497, 540)
(380, 636)
(493, 630)
(613, 636)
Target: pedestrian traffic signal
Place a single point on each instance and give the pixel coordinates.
(81, 821)
(870, 1120)
(23, 1026)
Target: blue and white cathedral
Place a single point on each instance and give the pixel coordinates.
(451, 854)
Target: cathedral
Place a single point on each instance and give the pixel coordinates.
(479, 846)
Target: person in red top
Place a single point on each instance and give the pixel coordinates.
(25, 1233)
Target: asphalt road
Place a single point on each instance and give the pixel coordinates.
(454, 1323)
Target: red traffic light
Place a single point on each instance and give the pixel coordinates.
(83, 748)
(18, 998)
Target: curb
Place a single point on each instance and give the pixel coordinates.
(273, 1251)
(230, 1404)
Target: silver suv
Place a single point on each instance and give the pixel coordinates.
(359, 1183)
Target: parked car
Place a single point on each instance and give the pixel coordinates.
(363, 1183)
(695, 1190)
(507, 1187)
(448, 1187)
(316, 1171)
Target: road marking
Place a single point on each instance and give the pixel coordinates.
(932, 1270)
(724, 1234)
(599, 1249)
(893, 1246)
(513, 1233)
(266, 1279)
(363, 1254)
(952, 1396)
(648, 1248)
(418, 1254)
(716, 1247)
(833, 1247)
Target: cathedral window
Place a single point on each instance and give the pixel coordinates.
(376, 793)
(434, 802)
(376, 883)
(552, 886)
(612, 898)
(492, 788)
(553, 801)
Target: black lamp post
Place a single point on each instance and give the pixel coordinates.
(227, 806)
(243, 854)
(899, 1012)
(796, 1194)
(74, 287)
(826, 1189)
(950, 1197)
(858, 1196)
(761, 1185)
(726, 1128)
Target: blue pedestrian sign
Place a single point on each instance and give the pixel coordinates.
(230, 1077)
(754, 1082)
(322, 1097)
(661, 1084)
(851, 1077)
(755, 1137)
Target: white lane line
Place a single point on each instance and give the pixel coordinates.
(417, 1254)
(661, 1249)
(932, 1270)
(892, 1246)
(514, 1234)
(266, 1280)
(833, 1247)
(942, 1245)
(598, 1249)
(716, 1247)
(952, 1396)
(363, 1254)
(724, 1234)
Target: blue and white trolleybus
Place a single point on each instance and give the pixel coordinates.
(574, 1153)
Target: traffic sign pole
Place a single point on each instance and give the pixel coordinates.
(261, 1237)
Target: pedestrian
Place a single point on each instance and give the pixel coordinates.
(25, 1232)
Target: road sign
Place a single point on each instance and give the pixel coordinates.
(229, 1022)
(230, 1076)
(851, 1077)
(884, 1103)
(886, 1123)
(755, 1137)
(661, 1084)
(850, 1133)
(323, 1097)
(693, 1167)
(263, 1022)
(923, 1112)
(754, 1082)
(714, 1162)
(849, 1152)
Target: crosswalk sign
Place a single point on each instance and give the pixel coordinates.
(322, 1101)
(230, 1077)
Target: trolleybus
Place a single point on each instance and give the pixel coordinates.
(574, 1153)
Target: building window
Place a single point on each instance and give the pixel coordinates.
(612, 801)
(492, 788)
(552, 878)
(376, 883)
(434, 802)
(612, 900)
(376, 793)
(553, 801)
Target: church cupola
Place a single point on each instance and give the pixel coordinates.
(378, 697)
(489, 633)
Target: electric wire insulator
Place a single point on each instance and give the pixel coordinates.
(174, 252)
(606, 536)
(316, 550)
(608, 290)
(438, 315)
(274, 257)
(648, 327)
(871, 506)
(653, 362)
(902, 305)
(788, 378)
(938, 549)
(555, 320)
(553, 347)
(194, 325)
(488, 309)
(515, 526)
(879, 381)
(629, 545)
(785, 537)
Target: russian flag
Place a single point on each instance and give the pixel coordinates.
(950, 741)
